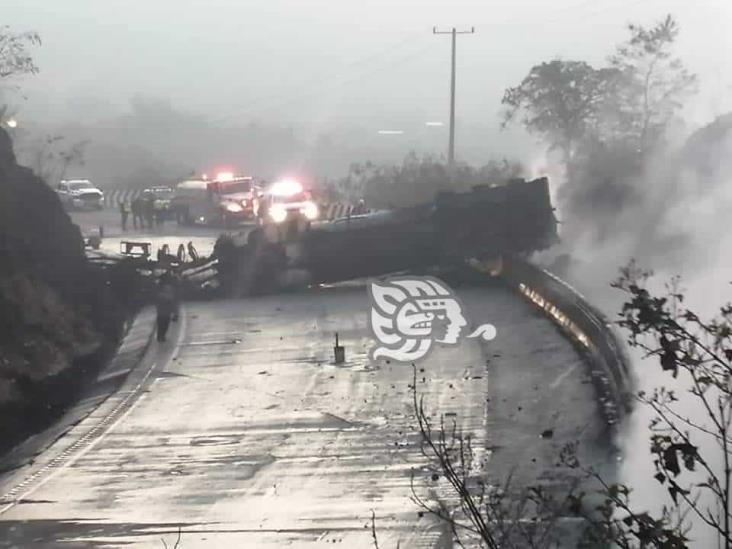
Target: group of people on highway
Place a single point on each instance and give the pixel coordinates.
(146, 212)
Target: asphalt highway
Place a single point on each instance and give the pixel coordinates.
(240, 431)
(169, 232)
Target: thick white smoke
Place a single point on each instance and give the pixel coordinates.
(678, 223)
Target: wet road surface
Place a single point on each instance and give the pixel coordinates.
(169, 233)
(241, 432)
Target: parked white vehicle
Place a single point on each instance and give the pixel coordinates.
(80, 194)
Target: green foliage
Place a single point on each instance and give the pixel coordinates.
(561, 101)
(15, 58)
(416, 181)
(686, 444)
(53, 155)
(571, 104)
(654, 83)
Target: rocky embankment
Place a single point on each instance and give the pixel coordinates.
(55, 311)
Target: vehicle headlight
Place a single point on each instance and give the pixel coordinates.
(310, 210)
(278, 213)
(232, 207)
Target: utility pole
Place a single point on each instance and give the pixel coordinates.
(451, 147)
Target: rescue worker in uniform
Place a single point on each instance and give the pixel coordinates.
(124, 212)
(158, 212)
(137, 217)
(165, 305)
(149, 210)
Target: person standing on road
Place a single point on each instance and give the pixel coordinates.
(158, 211)
(149, 210)
(192, 253)
(137, 221)
(124, 212)
(165, 305)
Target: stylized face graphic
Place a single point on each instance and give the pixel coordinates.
(407, 315)
(447, 312)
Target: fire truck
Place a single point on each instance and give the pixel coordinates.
(226, 200)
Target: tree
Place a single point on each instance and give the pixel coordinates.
(15, 59)
(606, 122)
(654, 82)
(571, 104)
(416, 181)
(561, 101)
(52, 155)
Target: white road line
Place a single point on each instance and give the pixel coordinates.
(89, 440)
(561, 377)
(113, 374)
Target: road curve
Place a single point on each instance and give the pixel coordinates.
(245, 434)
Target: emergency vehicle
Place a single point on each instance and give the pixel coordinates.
(226, 200)
(286, 200)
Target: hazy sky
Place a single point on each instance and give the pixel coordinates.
(322, 63)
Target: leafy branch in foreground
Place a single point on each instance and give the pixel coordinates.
(611, 520)
(694, 351)
(691, 448)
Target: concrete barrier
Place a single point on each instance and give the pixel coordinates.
(593, 335)
(113, 197)
(335, 210)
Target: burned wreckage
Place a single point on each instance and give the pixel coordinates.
(482, 224)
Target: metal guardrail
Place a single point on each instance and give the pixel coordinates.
(585, 325)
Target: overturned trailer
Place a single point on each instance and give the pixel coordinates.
(484, 223)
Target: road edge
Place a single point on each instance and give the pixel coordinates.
(585, 326)
(20, 467)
